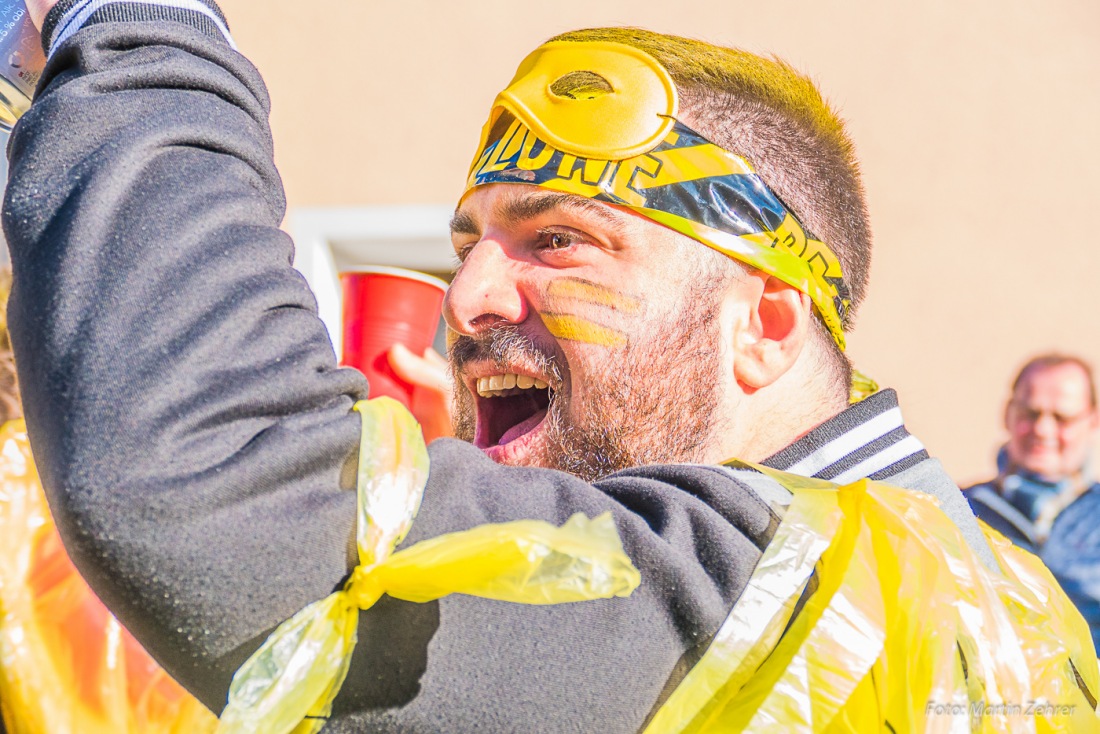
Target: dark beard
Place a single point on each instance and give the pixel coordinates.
(653, 401)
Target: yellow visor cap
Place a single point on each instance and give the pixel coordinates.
(597, 100)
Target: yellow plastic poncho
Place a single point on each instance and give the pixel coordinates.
(868, 612)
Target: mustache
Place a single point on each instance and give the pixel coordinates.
(504, 346)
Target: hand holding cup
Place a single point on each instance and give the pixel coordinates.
(386, 306)
(432, 388)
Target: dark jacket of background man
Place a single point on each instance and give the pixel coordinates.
(1044, 497)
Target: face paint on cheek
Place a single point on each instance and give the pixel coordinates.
(565, 298)
(585, 291)
(578, 329)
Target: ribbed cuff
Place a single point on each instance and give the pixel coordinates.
(69, 16)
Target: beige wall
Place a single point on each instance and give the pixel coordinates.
(976, 123)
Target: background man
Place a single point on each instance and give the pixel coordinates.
(195, 433)
(1044, 496)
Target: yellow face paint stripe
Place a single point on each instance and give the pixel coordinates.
(578, 289)
(575, 328)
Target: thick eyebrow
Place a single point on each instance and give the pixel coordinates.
(463, 223)
(517, 210)
(520, 209)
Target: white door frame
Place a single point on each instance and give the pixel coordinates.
(329, 240)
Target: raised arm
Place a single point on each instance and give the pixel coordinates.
(183, 398)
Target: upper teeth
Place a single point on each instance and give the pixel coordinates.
(488, 387)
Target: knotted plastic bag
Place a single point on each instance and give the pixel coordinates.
(289, 684)
(66, 665)
(868, 612)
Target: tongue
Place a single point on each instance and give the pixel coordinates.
(521, 428)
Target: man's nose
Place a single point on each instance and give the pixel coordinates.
(485, 292)
(1046, 425)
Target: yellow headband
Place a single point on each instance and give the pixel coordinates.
(598, 120)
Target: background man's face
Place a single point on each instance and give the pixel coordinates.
(1051, 424)
(599, 306)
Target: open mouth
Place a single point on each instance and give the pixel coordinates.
(509, 407)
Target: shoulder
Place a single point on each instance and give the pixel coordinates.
(695, 526)
(990, 484)
(985, 498)
(745, 500)
(1082, 511)
(990, 506)
(654, 494)
(977, 493)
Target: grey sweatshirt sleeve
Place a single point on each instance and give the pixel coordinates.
(187, 415)
(194, 434)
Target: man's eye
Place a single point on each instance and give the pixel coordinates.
(558, 240)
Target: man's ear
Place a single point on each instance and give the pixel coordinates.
(779, 322)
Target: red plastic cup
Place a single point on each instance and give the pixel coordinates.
(386, 306)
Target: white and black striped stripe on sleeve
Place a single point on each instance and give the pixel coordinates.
(69, 16)
(869, 439)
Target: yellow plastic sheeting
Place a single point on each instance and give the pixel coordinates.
(291, 681)
(862, 387)
(899, 628)
(66, 666)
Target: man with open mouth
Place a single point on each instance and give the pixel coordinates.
(661, 245)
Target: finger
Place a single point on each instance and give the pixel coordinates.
(418, 370)
(435, 358)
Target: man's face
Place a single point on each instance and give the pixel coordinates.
(583, 341)
(1050, 421)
